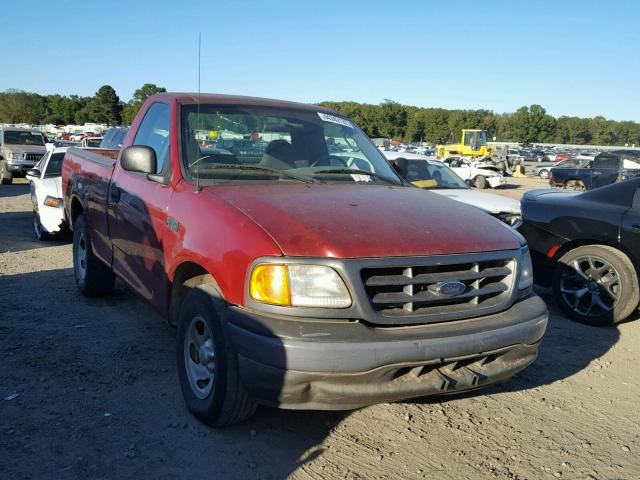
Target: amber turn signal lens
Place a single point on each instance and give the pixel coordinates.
(270, 284)
(53, 202)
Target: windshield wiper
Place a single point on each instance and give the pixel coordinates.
(280, 173)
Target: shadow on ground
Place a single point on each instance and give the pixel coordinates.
(14, 190)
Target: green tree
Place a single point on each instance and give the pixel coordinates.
(17, 106)
(105, 107)
(139, 97)
(532, 124)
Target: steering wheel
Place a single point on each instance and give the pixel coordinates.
(326, 161)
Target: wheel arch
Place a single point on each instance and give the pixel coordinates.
(186, 276)
(581, 242)
(75, 210)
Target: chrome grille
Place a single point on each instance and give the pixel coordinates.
(35, 157)
(411, 290)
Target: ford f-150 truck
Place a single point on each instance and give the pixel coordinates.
(297, 277)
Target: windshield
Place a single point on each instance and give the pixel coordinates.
(433, 176)
(234, 143)
(475, 138)
(16, 137)
(54, 167)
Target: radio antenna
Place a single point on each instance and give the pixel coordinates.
(198, 116)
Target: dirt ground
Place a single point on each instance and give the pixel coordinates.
(88, 389)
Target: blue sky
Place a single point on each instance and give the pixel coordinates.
(573, 57)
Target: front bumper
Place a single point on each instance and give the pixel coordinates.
(339, 365)
(19, 167)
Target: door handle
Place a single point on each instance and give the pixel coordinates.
(595, 174)
(114, 194)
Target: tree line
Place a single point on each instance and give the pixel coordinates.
(388, 119)
(104, 107)
(530, 124)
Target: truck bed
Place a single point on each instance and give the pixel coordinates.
(86, 174)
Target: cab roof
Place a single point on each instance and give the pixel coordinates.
(220, 99)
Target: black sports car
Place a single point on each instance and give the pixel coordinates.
(586, 246)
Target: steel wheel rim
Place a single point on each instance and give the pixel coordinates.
(590, 286)
(81, 255)
(544, 174)
(199, 357)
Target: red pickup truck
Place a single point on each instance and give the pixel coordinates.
(301, 271)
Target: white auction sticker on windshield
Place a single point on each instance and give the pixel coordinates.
(333, 119)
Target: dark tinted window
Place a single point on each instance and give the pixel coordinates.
(154, 131)
(54, 167)
(607, 161)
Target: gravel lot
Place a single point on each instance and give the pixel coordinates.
(88, 389)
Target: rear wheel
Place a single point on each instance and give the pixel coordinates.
(544, 174)
(6, 177)
(93, 277)
(481, 182)
(207, 362)
(596, 285)
(576, 185)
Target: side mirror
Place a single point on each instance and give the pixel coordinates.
(139, 158)
(33, 172)
(401, 166)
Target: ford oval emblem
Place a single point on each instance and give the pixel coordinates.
(449, 289)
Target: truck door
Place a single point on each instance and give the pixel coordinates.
(137, 212)
(606, 168)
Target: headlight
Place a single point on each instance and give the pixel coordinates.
(16, 156)
(514, 220)
(525, 281)
(298, 286)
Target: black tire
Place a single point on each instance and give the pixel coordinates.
(94, 278)
(38, 229)
(625, 288)
(222, 400)
(544, 174)
(481, 182)
(576, 185)
(6, 177)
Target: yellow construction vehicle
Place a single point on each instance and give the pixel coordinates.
(474, 144)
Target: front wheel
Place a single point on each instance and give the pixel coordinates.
(93, 277)
(596, 285)
(544, 174)
(481, 182)
(207, 362)
(38, 229)
(6, 177)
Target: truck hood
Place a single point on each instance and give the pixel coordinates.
(488, 202)
(355, 221)
(25, 148)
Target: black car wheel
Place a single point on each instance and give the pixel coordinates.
(93, 277)
(6, 177)
(481, 182)
(596, 285)
(576, 185)
(207, 362)
(544, 174)
(38, 229)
